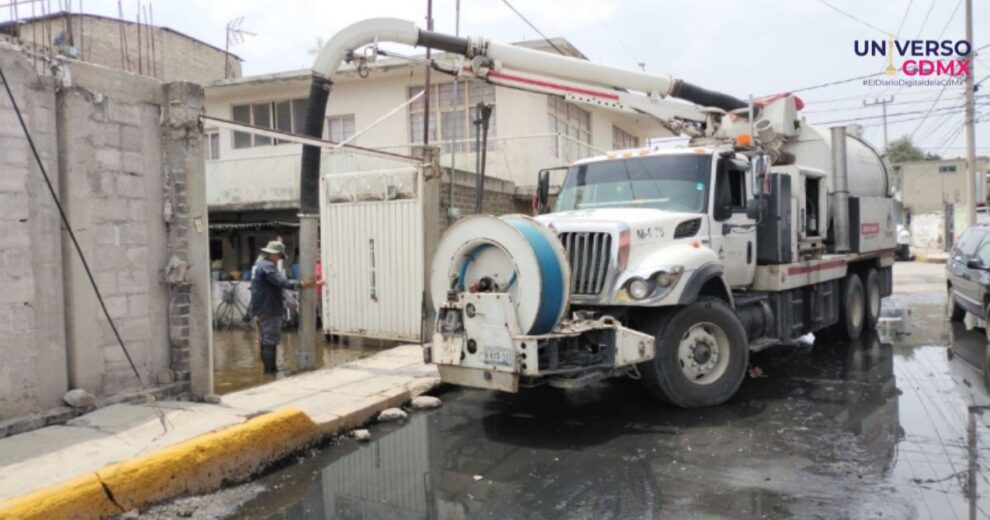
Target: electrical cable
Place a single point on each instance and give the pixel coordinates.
(925, 21)
(904, 18)
(68, 228)
(530, 24)
(951, 17)
(844, 13)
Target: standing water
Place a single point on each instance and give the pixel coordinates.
(237, 359)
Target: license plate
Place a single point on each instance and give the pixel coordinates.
(498, 356)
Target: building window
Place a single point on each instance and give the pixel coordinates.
(622, 140)
(212, 145)
(454, 112)
(947, 169)
(287, 116)
(340, 128)
(572, 124)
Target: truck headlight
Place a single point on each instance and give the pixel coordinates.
(639, 288)
(665, 279)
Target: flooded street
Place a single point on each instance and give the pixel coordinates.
(237, 360)
(876, 428)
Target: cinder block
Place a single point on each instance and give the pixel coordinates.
(116, 306)
(132, 281)
(130, 138)
(137, 257)
(14, 206)
(136, 329)
(134, 234)
(124, 113)
(131, 186)
(137, 305)
(16, 290)
(110, 210)
(108, 159)
(137, 210)
(14, 151)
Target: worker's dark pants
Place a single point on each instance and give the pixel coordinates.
(269, 328)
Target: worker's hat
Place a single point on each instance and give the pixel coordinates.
(274, 248)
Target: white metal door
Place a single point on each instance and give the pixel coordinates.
(372, 255)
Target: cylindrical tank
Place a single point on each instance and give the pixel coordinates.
(868, 175)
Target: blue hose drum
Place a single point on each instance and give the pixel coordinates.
(512, 254)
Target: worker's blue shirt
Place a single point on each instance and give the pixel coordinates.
(266, 289)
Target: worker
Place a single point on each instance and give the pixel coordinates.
(267, 302)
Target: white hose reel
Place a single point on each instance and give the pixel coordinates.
(511, 254)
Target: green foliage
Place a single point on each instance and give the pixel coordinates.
(903, 150)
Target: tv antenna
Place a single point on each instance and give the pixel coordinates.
(235, 36)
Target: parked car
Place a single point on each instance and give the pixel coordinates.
(970, 346)
(967, 272)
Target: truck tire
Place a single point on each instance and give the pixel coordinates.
(701, 355)
(955, 312)
(852, 309)
(871, 289)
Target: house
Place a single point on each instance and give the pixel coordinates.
(159, 52)
(253, 188)
(933, 195)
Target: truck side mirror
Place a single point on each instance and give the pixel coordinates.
(543, 192)
(723, 197)
(754, 208)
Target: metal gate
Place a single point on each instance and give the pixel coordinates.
(372, 253)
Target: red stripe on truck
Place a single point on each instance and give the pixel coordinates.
(802, 269)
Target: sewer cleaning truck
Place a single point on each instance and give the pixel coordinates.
(665, 265)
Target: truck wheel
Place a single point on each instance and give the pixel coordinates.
(852, 310)
(871, 288)
(701, 355)
(955, 312)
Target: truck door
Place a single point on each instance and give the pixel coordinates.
(734, 234)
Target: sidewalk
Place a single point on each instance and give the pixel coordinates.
(931, 257)
(120, 458)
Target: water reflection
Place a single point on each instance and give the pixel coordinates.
(237, 359)
(817, 437)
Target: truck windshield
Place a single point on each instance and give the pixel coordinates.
(667, 182)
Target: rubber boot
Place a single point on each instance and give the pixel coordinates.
(268, 358)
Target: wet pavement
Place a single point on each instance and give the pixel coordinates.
(871, 429)
(237, 358)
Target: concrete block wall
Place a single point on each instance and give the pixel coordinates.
(110, 161)
(126, 157)
(499, 199)
(32, 340)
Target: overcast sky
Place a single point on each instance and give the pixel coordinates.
(741, 47)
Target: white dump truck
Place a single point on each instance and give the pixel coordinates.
(666, 265)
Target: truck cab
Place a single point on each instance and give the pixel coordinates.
(676, 220)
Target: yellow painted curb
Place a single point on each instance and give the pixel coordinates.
(197, 465)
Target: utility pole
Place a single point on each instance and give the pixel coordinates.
(883, 102)
(426, 86)
(970, 124)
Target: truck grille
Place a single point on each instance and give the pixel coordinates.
(588, 254)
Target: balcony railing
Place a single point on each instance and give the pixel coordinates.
(272, 182)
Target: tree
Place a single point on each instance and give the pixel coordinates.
(903, 150)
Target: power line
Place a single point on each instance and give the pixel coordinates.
(531, 26)
(621, 43)
(904, 18)
(925, 22)
(857, 97)
(913, 112)
(860, 106)
(836, 82)
(951, 16)
(932, 107)
(850, 16)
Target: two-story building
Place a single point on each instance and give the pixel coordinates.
(253, 189)
(933, 195)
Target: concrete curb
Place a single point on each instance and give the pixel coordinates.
(198, 465)
(930, 259)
